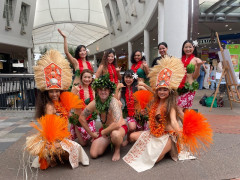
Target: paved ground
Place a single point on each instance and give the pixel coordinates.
(221, 161)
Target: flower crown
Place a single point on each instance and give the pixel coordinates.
(104, 82)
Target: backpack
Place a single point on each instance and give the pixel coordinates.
(209, 100)
(202, 100)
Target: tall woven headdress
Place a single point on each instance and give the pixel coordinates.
(168, 73)
(53, 72)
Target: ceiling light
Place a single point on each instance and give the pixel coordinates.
(220, 19)
(226, 25)
(198, 33)
(230, 29)
(154, 39)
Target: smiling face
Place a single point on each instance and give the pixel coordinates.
(128, 80)
(110, 58)
(103, 93)
(138, 56)
(54, 94)
(163, 92)
(86, 78)
(162, 50)
(83, 53)
(188, 49)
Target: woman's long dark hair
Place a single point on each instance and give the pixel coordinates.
(195, 48)
(78, 50)
(170, 103)
(128, 73)
(104, 61)
(132, 56)
(41, 102)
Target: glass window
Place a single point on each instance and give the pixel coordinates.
(23, 18)
(109, 14)
(116, 9)
(8, 10)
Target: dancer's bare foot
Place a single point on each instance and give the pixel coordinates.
(125, 143)
(116, 155)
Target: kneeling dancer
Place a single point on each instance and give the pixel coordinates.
(114, 127)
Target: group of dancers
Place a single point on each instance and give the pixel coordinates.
(145, 105)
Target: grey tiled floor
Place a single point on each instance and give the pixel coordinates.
(12, 129)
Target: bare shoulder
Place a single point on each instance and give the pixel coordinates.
(50, 109)
(113, 101)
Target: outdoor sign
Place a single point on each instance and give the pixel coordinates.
(204, 54)
(234, 50)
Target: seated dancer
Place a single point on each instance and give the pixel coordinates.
(136, 122)
(79, 61)
(165, 135)
(109, 66)
(114, 127)
(189, 85)
(86, 93)
(53, 75)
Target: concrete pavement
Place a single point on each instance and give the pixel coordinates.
(221, 161)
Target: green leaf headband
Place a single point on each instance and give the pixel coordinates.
(104, 82)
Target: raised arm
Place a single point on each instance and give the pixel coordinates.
(82, 118)
(145, 86)
(117, 117)
(198, 64)
(118, 73)
(145, 67)
(72, 60)
(99, 71)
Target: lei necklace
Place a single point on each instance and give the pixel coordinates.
(129, 102)
(81, 93)
(60, 109)
(157, 128)
(185, 62)
(136, 66)
(80, 63)
(111, 71)
(102, 107)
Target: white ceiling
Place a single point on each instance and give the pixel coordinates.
(82, 21)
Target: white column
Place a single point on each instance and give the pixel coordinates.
(160, 21)
(175, 25)
(146, 45)
(129, 54)
(95, 62)
(30, 64)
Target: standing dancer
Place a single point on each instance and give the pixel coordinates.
(165, 134)
(140, 67)
(53, 75)
(162, 49)
(109, 66)
(86, 93)
(189, 85)
(79, 61)
(114, 127)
